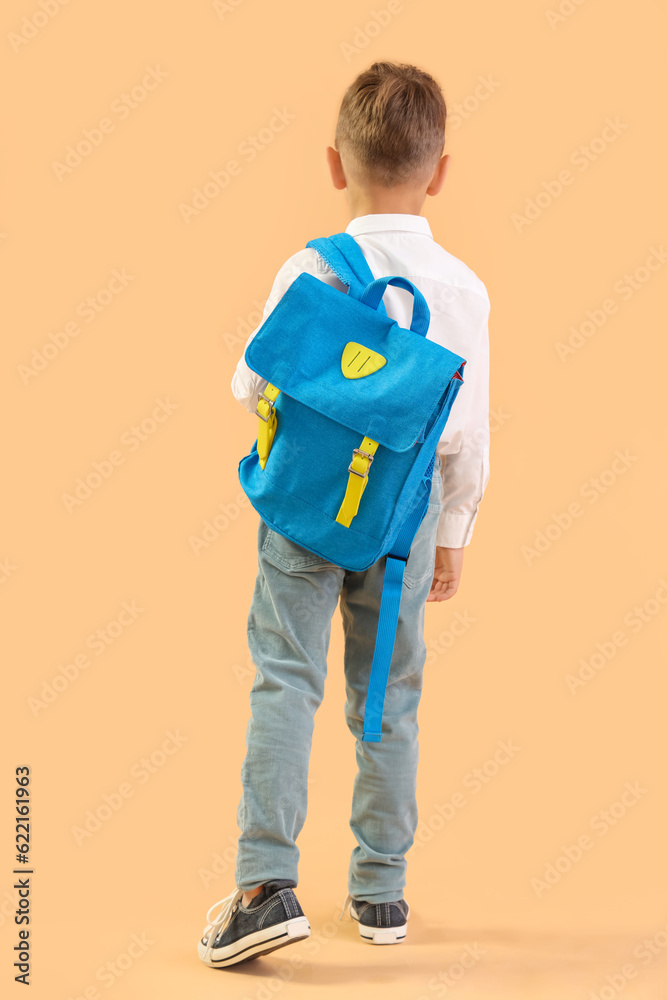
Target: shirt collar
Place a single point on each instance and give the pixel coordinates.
(383, 221)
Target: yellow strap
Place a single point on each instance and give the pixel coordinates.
(356, 483)
(267, 422)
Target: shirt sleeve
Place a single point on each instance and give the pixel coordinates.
(247, 384)
(465, 473)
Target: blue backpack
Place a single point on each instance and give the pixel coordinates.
(349, 425)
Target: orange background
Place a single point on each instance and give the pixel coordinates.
(175, 332)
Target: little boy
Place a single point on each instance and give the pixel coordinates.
(389, 143)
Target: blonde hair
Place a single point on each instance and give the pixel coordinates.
(391, 124)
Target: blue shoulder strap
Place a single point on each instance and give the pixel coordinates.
(392, 589)
(346, 259)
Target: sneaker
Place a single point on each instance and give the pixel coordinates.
(379, 923)
(272, 919)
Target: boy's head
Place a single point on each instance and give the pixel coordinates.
(389, 138)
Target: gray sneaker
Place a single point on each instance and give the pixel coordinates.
(272, 919)
(379, 923)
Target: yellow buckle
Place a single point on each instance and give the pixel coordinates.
(356, 486)
(358, 451)
(266, 400)
(267, 428)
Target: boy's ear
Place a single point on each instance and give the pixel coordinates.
(336, 168)
(439, 174)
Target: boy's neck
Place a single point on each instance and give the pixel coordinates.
(396, 203)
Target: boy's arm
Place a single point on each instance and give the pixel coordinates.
(247, 384)
(465, 473)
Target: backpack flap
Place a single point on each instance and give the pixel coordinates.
(317, 345)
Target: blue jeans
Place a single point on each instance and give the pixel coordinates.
(289, 627)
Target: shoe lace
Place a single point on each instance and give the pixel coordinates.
(345, 906)
(218, 921)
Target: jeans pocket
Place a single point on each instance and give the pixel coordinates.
(289, 555)
(435, 501)
(421, 561)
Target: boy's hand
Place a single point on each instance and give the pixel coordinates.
(447, 573)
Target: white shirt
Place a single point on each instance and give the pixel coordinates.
(402, 244)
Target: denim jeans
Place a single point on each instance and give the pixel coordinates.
(289, 626)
